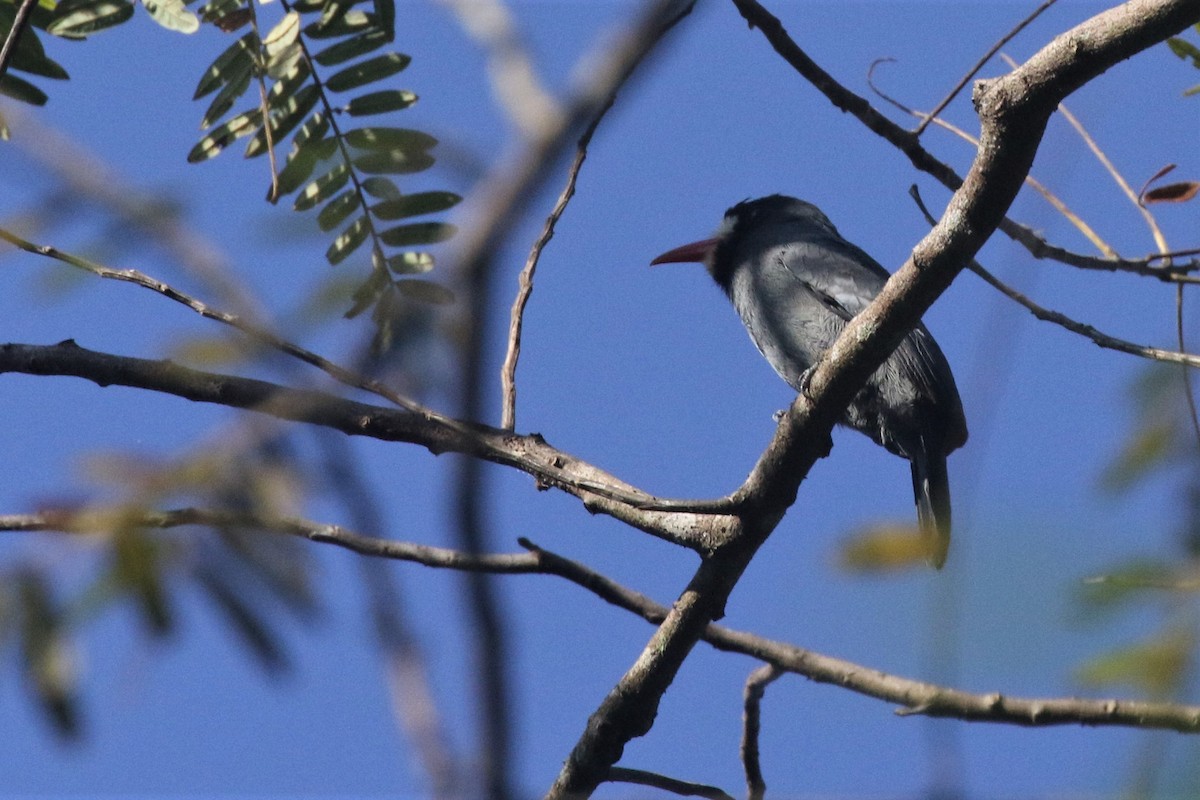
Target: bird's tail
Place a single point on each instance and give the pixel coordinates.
(931, 488)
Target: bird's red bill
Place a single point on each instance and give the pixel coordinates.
(696, 251)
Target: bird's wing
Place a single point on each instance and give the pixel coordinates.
(841, 276)
(845, 279)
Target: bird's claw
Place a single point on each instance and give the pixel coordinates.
(805, 379)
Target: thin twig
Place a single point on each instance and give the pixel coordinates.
(1005, 39)
(260, 72)
(914, 697)
(752, 695)
(250, 329)
(508, 372)
(1040, 188)
(1047, 315)
(904, 141)
(642, 777)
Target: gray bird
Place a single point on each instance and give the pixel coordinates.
(796, 282)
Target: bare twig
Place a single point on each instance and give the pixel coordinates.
(971, 73)
(752, 695)
(1062, 320)
(641, 777)
(600, 491)
(1188, 392)
(1050, 197)
(497, 203)
(260, 76)
(508, 372)
(250, 329)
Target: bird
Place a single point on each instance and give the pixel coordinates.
(796, 283)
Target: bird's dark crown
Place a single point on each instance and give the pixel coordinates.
(749, 215)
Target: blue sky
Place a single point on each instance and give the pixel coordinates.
(648, 374)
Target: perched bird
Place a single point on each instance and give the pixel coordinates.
(796, 282)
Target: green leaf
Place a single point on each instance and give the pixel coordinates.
(301, 163)
(287, 83)
(389, 139)
(348, 241)
(172, 15)
(282, 46)
(425, 292)
(1185, 50)
(285, 32)
(226, 134)
(29, 55)
(336, 211)
(285, 60)
(237, 59)
(1149, 447)
(23, 90)
(294, 111)
(46, 652)
(395, 162)
(417, 233)
(313, 129)
(383, 188)
(214, 10)
(369, 293)
(385, 10)
(352, 48)
(1116, 588)
(410, 263)
(373, 69)
(380, 102)
(137, 568)
(90, 17)
(352, 22)
(321, 189)
(229, 94)
(1156, 666)
(414, 205)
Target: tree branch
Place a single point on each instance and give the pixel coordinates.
(600, 491)
(915, 697)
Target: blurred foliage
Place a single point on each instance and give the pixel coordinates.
(883, 548)
(1162, 448)
(252, 579)
(1188, 52)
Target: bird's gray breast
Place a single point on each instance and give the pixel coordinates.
(789, 324)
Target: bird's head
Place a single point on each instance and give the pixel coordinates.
(750, 227)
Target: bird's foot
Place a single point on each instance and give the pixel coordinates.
(805, 379)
